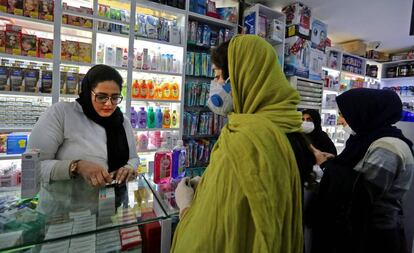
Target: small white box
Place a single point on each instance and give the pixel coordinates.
(30, 173)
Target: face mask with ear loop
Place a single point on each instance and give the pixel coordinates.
(220, 100)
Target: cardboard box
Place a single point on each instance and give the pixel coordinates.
(13, 41)
(15, 7)
(85, 52)
(16, 79)
(332, 60)
(2, 41)
(45, 48)
(46, 82)
(298, 15)
(29, 45)
(297, 55)
(72, 83)
(86, 22)
(317, 58)
(356, 47)
(275, 30)
(319, 34)
(46, 8)
(31, 8)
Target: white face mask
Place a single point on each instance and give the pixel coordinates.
(349, 130)
(308, 127)
(220, 100)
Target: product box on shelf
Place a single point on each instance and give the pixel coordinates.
(85, 52)
(297, 55)
(31, 78)
(332, 59)
(13, 42)
(317, 58)
(70, 51)
(356, 47)
(29, 45)
(16, 79)
(85, 22)
(250, 23)
(15, 7)
(72, 83)
(298, 18)
(30, 169)
(46, 8)
(4, 77)
(2, 41)
(275, 30)
(319, 34)
(45, 48)
(228, 13)
(62, 82)
(352, 64)
(46, 82)
(16, 144)
(31, 8)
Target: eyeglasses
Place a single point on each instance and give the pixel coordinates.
(102, 99)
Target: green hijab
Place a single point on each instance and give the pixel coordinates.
(249, 199)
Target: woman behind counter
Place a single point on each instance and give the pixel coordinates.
(84, 145)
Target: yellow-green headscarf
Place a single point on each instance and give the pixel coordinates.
(249, 199)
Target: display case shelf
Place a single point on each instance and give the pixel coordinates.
(24, 94)
(77, 64)
(155, 129)
(156, 101)
(165, 193)
(10, 157)
(15, 129)
(160, 7)
(77, 28)
(157, 72)
(27, 19)
(210, 20)
(161, 42)
(25, 58)
(94, 17)
(121, 35)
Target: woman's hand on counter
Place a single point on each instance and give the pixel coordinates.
(125, 174)
(93, 173)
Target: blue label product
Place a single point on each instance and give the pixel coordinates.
(4, 77)
(16, 79)
(31, 78)
(72, 83)
(46, 82)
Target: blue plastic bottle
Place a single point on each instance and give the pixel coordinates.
(158, 118)
(134, 118)
(179, 157)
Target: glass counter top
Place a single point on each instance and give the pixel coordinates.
(165, 194)
(21, 225)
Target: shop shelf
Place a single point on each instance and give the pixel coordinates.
(34, 21)
(210, 20)
(199, 77)
(352, 74)
(77, 64)
(408, 78)
(10, 157)
(156, 72)
(24, 94)
(194, 45)
(155, 129)
(113, 34)
(25, 58)
(77, 27)
(161, 7)
(158, 41)
(196, 108)
(156, 100)
(15, 129)
(201, 136)
(94, 17)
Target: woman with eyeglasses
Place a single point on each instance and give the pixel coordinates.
(84, 145)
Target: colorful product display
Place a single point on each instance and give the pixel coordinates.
(20, 112)
(36, 9)
(204, 123)
(298, 19)
(205, 35)
(75, 20)
(297, 57)
(163, 165)
(151, 89)
(198, 152)
(143, 119)
(352, 64)
(199, 64)
(158, 28)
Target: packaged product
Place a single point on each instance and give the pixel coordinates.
(13, 41)
(31, 78)
(110, 56)
(2, 41)
(29, 45)
(63, 82)
(45, 48)
(163, 29)
(85, 52)
(125, 17)
(142, 24)
(72, 83)
(16, 79)
(152, 27)
(15, 7)
(319, 34)
(31, 8)
(46, 10)
(3, 5)
(70, 50)
(297, 57)
(315, 66)
(46, 82)
(80, 79)
(3, 143)
(298, 18)
(4, 77)
(86, 22)
(228, 13)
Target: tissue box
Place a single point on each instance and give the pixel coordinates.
(297, 55)
(315, 65)
(16, 144)
(30, 169)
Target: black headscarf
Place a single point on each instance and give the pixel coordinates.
(371, 114)
(318, 137)
(116, 140)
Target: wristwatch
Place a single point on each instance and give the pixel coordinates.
(73, 169)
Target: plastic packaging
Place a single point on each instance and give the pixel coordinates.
(166, 122)
(179, 156)
(142, 118)
(162, 165)
(174, 119)
(134, 118)
(158, 118)
(151, 117)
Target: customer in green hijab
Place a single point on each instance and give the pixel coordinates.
(249, 199)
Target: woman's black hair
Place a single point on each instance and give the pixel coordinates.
(101, 73)
(220, 59)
